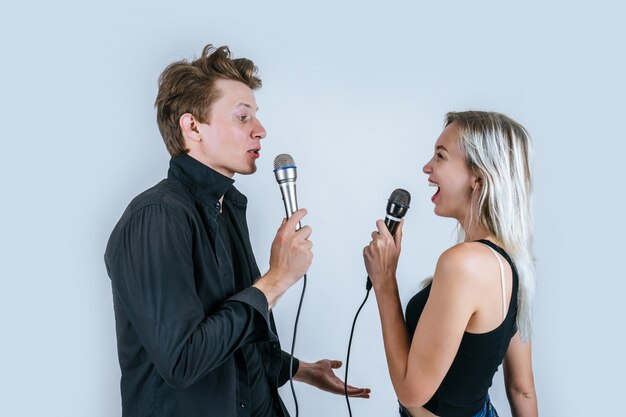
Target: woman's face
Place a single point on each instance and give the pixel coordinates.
(447, 170)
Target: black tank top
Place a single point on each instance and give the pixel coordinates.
(464, 389)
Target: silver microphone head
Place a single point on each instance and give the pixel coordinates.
(283, 160)
(285, 168)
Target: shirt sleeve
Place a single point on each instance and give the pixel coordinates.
(283, 376)
(152, 272)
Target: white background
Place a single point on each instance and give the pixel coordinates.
(356, 93)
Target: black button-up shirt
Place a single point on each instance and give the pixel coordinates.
(190, 343)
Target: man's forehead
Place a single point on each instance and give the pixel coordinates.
(229, 100)
(237, 95)
(234, 87)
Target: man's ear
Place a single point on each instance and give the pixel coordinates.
(189, 127)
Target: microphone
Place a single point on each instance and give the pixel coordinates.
(397, 206)
(285, 171)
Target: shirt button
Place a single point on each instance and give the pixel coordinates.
(217, 205)
(242, 404)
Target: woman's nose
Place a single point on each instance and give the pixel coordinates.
(427, 169)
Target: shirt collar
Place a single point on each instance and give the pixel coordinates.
(201, 180)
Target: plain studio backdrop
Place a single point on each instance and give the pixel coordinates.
(356, 93)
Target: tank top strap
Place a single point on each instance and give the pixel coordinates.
(503, 283)
(495, 249)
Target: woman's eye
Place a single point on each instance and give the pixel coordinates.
(439, 156)
(243, 118)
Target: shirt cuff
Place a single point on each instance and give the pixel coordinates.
(255, 298)
(283, 376)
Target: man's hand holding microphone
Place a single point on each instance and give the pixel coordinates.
(290, 258)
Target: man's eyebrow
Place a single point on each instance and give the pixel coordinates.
(246, 105)
(441, 147)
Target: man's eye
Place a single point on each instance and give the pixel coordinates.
(439, 156)
(243, 118)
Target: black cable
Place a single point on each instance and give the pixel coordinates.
(293, 345)
(345, 380)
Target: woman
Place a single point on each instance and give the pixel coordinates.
(476, 311)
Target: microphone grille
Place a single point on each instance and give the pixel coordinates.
(283, 160)
(400, 197)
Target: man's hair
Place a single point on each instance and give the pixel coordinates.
(189, 87)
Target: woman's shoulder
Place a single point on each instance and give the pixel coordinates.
(466, 253)
(465, 260)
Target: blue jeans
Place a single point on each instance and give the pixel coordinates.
(488, 410)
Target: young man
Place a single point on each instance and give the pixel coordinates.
(195, 331)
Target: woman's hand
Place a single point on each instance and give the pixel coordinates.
(381, 255)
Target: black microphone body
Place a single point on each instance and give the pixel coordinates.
(397, 206)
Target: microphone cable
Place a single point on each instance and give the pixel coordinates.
(397, 206)
(293, 345)
(286, 174)
(345, 379)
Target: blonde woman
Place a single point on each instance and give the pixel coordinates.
(476, 312)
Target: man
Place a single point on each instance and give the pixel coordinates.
(196, 336)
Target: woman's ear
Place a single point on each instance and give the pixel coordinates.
(477, 183)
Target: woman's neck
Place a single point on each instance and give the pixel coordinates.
(477, 232)
(472, 228)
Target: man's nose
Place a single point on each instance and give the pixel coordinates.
(259, 131)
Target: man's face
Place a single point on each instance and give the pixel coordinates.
(231, 140)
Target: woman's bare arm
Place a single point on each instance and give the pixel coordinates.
(518, 378)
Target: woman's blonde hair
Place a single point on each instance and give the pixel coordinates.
(498, 150)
